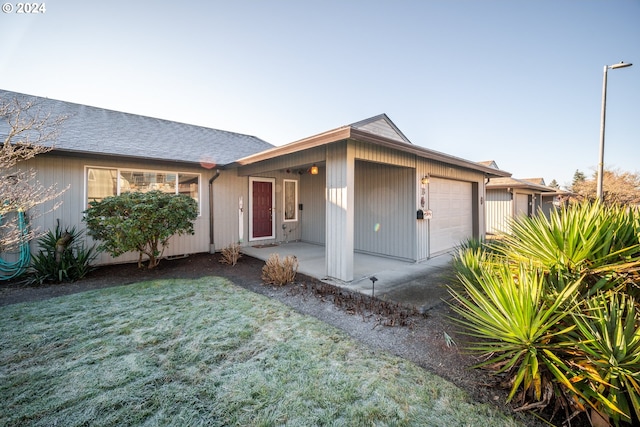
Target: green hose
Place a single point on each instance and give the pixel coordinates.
(9, 270)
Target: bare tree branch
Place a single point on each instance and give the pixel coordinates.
(622, 188)
(29, 131)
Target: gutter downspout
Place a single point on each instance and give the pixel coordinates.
(212, 248)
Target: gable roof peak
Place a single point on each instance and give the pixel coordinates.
(490, 163)
(381, 125)
(539, 181)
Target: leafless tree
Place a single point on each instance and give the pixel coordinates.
(27, 131)
(620, 187)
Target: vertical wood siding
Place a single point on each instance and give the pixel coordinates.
(384, 210)
(373, 153)
(70, 172)
(382, 128)
(313, 216)
(229, 187)
(227, 190)
(499, 210)
(340, 212)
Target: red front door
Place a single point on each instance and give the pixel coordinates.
(262, 209)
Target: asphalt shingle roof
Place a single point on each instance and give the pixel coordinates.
(93, 130)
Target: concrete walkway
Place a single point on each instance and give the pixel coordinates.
(422, 284)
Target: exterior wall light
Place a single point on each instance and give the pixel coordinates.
(313, 170)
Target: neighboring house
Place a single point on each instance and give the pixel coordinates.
(358, 188)
(508, 197)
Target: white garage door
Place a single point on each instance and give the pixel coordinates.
(522, 204)
(452, 205)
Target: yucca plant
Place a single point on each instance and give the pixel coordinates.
(589, 240)
(474, 256)
(608, 336)
(519, 324)
(62, 256)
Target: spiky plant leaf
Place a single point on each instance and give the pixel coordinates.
(515, 321)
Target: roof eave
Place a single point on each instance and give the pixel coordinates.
(348, 132)
(142, 159)
(426, 153)
(522, 186)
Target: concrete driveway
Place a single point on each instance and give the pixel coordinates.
(422, 285)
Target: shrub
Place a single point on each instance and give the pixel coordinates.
(62, 257)
(517, 324)
(587, 239)
(279, 272)
(231, 254)
(608, 337)
(554, 305)
(142, 222)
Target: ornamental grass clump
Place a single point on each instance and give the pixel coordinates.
(278, 271)
(230, 254)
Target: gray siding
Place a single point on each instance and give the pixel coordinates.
(228, 189)
(384, 210)
(382, 128)
(68, 172)
(378, 154)
(499, 210)
(313, 215)
(340, 217)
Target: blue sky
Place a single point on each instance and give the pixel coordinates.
(518, 82)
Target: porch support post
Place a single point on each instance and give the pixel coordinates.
(340, 211)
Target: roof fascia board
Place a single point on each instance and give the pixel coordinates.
(349, 132)
(426, 153)
(294, 147)
(384, 117)
(120, 158)
(521, 187)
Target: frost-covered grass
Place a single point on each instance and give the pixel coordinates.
(206, 352)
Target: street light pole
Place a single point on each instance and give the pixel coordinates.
(599, 193)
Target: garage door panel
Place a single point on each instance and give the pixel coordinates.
(452, 205)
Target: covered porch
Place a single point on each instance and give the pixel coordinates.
(362, 189)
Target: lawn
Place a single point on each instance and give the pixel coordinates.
(206, 352)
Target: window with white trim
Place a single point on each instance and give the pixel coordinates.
(105, 182)
(290, 200)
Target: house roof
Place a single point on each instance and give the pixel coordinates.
(533, 184)
(378, 130)
(97, 131)
(509, 182)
